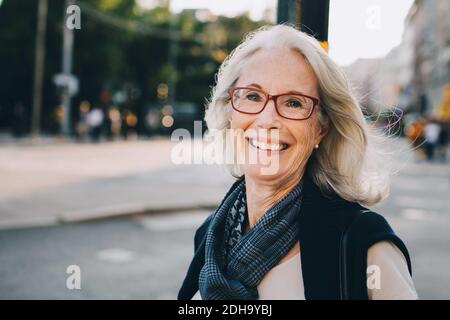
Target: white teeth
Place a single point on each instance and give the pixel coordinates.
(266, 146)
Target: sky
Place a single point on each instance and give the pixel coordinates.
(365, 28)
(357, 28)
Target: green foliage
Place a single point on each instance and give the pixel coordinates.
(118, 45)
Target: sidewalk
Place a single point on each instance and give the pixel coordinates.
(53, 183)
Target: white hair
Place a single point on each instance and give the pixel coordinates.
(349, 160)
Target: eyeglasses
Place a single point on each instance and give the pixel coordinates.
(292, 105)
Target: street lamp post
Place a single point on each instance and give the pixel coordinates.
(308, 16)
(39, 61)
(173, 51)
(66, 70)
(289, 11)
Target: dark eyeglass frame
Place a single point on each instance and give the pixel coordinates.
(269, 97)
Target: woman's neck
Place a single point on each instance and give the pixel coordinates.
(262, 195)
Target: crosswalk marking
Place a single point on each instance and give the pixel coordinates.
(422, 215)
(173, 221)
(115, 255)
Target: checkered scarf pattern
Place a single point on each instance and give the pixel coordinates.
(235, 262)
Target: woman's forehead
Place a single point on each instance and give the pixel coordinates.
(278, 67)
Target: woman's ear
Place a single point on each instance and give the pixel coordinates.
(324, 125)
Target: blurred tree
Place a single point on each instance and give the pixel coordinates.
(121, 48)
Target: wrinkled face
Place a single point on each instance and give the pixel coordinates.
(276, 147)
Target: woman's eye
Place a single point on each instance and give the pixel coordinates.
(294, 104)
(253, 96)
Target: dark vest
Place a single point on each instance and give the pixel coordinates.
(334, 237)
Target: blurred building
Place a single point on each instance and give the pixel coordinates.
(430, 20)
(412, 76)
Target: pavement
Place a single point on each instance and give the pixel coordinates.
(51, 182)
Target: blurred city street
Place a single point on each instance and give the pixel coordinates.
(96, 95)
(143, 253)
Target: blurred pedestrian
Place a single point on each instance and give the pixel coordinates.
(415, 134)
(442, 144)
(95, 121)
(115, 123)
(431, 134)
(129, 122)
(82, 127)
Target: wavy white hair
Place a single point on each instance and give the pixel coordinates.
(349, 161)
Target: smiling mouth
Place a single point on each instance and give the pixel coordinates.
(268, 146)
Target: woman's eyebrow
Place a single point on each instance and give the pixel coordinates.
(288, 92)
(254, 85)
(294, 92)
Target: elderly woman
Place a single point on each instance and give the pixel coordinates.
(296, 230)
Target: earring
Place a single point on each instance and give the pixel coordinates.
(316, 146)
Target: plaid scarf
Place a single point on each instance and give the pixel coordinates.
(235, 262)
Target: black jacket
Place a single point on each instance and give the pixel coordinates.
(335, 236)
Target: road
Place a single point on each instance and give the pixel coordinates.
(121, 258)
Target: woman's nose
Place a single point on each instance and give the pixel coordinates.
(268, 116)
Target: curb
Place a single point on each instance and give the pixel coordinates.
(98, 214)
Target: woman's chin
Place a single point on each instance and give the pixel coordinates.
(264, 171)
